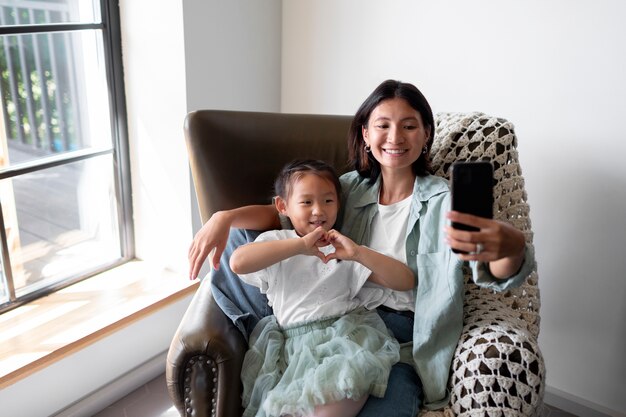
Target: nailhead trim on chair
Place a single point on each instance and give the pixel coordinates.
(201, 370)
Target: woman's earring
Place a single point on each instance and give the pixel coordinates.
(368, 148)
(425, 150)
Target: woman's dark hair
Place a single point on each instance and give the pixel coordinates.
(294, 170)
(363, 162)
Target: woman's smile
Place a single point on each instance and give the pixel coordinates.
(394, 152)
(395, 134)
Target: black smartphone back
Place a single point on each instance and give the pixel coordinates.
(472, 190)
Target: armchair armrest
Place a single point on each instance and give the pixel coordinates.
(204, 360)
(497, 364)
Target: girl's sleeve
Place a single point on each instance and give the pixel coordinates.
(370, 295)
(260, 278)
(257, 279)
(358, 277)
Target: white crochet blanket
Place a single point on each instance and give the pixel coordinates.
(498, 369)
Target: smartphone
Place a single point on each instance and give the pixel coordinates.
(472, 190)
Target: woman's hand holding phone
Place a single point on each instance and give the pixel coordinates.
(473, 234)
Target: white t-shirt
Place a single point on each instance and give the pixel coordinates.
(389, 237)
(302, 288)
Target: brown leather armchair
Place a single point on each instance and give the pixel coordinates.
(234, 158)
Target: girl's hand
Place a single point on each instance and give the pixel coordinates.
(313, 241)
(212, 235)
(345, 248)
(498, 241)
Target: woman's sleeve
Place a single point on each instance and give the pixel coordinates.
(483, 277)
(346, 187)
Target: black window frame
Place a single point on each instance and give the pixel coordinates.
(112, 44)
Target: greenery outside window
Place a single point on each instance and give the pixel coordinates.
(64, 171)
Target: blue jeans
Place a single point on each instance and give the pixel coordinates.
(404, 389)
(245, 306)
(242, 303)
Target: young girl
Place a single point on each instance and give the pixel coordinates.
(321, 353)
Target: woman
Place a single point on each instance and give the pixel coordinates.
(392, 204)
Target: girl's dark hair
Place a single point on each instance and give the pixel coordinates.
(296, 169)
(363, 162)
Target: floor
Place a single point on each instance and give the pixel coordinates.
(152, 400)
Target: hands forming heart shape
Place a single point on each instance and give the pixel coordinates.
(344, 248)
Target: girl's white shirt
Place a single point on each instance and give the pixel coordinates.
(302, 288)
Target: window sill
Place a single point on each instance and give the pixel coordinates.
(43, 331)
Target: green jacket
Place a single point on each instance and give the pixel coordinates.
(438, 273)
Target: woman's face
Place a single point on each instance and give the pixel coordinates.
(396, 134)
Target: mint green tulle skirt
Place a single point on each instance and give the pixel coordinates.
(291, 370)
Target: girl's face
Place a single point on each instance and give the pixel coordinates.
(312, 202)
(396, 134)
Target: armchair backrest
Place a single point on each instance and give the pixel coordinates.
(235, 156)
(477, 136)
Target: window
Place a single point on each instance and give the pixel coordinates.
(64, 171)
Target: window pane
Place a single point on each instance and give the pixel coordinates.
(54, 94)
(66, 222)
(38, 12)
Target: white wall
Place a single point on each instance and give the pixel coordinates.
(555, 69)
(154, 76)
(178, 57)
(232, 55)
